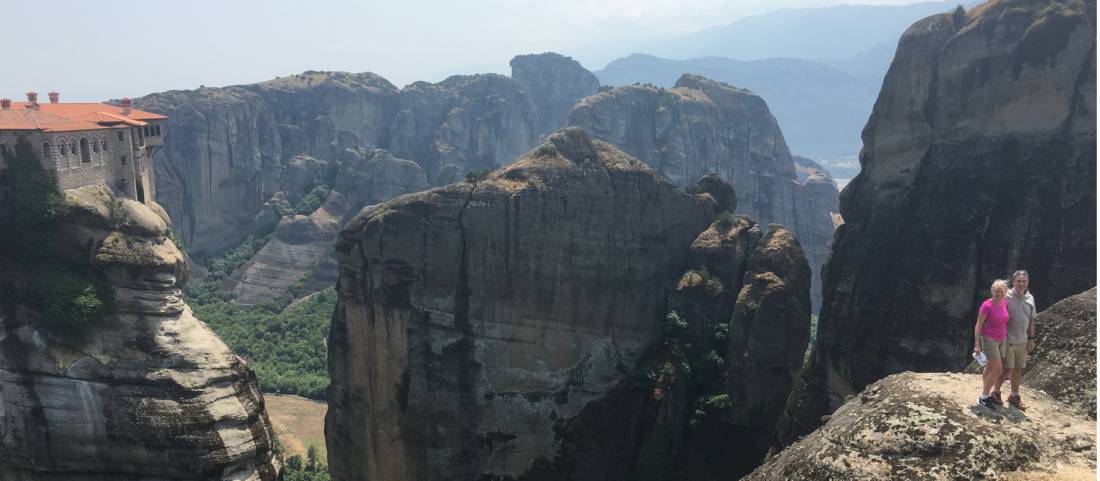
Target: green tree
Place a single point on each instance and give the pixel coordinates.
(30, 203)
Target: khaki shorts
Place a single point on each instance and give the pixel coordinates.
(994, 349)
(1016, 355)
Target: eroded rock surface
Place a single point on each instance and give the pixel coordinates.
(555, 83)
(917, 426)
(979, 159)
(535, 303)
(149, 392)
(1060, 364)
(227, 151)
(300, 245)
(701, 126)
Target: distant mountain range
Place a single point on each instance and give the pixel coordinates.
(820, 108)
(819, 69)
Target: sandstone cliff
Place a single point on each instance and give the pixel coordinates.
(497, 328)
(300, 244)
(979, 159)
(700, 127)
(929, 427)
(555, 82)
(464, 123)
(146, 391)
(227, 150)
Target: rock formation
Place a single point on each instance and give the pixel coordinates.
(700, 127)
(928, 427)
(299, 243)
(979, 159)
(1060, 364)
(555, 82)
(227, 150)
(465, 123)
(145, 392)
(533, 301)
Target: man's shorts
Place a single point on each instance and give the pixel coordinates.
(1015, 355)
(994, 349)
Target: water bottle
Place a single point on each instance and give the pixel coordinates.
(980, 357)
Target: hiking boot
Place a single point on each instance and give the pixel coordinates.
(1014, 401)
(996, 397)
(987, 402)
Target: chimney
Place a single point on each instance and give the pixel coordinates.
(54, 97)
(5, 104)
(126, 104)
(32, 100)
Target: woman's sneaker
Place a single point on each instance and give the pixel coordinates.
(987, 401)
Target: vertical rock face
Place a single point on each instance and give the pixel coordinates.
(464, 123)
(513, 301)
(300, 242)
(700, 127)
(226, 149)
(555, 83)
(489, 329)
(149, 392)
(219, 163)
(979, 159)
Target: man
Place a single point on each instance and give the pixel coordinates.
(1021, 336)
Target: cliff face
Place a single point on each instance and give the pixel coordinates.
(979, 159)
(464, 123)
(227, 150)
(529, 302)
(700, 127)
(555, 83)
(148, 392)
(219, 163)
(300, 248)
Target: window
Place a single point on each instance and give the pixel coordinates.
(3, 149)
(72, 148)
(85, 153)
(95, 147)
(64, 151)
(119, 135)
(46, 149)
(158, 130)
(103, 145)
(123, 158)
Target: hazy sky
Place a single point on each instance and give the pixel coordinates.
(94, 50)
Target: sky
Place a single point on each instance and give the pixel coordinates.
(99, 50)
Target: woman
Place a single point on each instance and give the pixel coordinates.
(989, 337)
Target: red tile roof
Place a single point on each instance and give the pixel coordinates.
(66, 117)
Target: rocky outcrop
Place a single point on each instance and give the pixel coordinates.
(227, 151)
(929, 427)
(1061, 363)
(700, 127)
(219, 163)
(144, 392)
(959, 186)
(515, 301)
(300, 243)
(533, 301)
(465, 123)
(555, 82)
